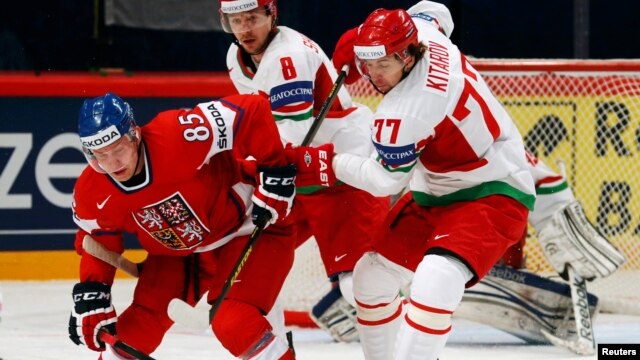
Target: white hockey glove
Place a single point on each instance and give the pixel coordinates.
(569, 238)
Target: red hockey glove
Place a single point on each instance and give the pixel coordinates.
(92, 311)
(273, 196)
(313, 163)
(344, 55)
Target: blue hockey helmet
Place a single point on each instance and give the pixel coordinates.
(102, 121)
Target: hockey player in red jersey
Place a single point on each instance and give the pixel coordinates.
(179, 185)
(295, 74)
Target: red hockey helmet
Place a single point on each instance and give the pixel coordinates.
(239, 6)
(385, 32)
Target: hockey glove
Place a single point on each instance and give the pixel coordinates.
(273, 196)
(92, 312)
(344, 55)
(314, 164)
(569, 238)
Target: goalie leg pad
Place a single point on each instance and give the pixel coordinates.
(522, 304)
(569, 238)
(246, 333)
(336, 316)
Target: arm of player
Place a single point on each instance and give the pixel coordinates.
(92, 268)
(371, 175)
(434, 14)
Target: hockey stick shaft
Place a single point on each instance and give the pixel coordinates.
(248, 248)
(324, 110)
(94, 248)
(116, 343)
(580, 301)
(585, 343)
(335, 89)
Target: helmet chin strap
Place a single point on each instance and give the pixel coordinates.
(141, 160)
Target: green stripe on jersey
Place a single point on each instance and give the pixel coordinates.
(306, 190)
(476, 192)
(552, 189)
(300, 117)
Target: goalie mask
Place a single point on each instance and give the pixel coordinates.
(103, 121)
(239, 16)
(384, 33)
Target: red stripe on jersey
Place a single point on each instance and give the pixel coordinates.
(425, 329)
(449, 150)
(381, 321)
(548, 180)
(321, 89)
(430, 309)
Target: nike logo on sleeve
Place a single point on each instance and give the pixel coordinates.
(440, 236)
(338, 258)
(102, 204)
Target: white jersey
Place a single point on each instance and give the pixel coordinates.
(297, 77)
(441, 132)
(552, 192)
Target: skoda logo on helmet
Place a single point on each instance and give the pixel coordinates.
(103, 138)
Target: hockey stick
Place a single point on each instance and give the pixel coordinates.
(116, 343)
(183, 313)
(326, 106)
(91, 246)
(585, 343)
(262, 223)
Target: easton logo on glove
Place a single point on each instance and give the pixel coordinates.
(314, 164)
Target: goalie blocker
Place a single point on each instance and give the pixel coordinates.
(569, 238)
(523, 304)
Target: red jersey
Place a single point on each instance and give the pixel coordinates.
(194, 196)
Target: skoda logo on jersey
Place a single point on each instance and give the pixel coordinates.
(290, 93)
(103, 138)
(370, 52)
(396, 155)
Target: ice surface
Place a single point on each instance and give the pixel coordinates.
(35, 316)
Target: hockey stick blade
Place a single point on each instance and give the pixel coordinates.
(576, 346)
(94, 248)
(116, 343)
(195, 318)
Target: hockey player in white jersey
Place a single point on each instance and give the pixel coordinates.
(440, 132)
(566, 235)
(296, 75)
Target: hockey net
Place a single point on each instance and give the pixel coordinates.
(583, 113)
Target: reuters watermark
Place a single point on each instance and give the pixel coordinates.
(618, 351)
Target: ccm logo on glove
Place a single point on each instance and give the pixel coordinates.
(92, 296)
(279, 181)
